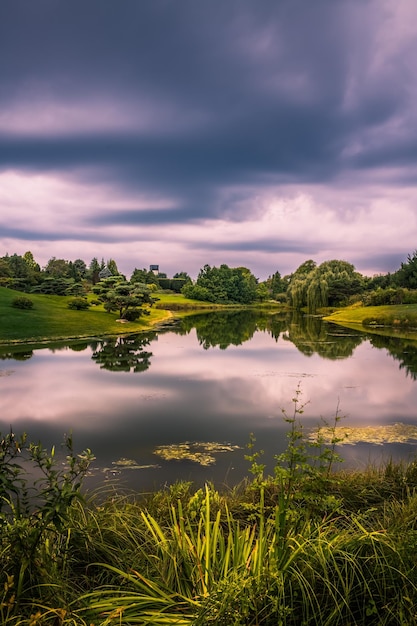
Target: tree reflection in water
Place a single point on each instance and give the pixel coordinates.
(22, 355)
(231, 328)
(402, 350)
(124, 354)
(311, 335)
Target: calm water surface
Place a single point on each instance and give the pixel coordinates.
(210, 378)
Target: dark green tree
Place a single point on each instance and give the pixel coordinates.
(5, 269)
(144, 276)
(93, 271)
(223, 285)
(276, 285)
(58, 268)
(406, 276)
(183, 275)
(79, 270)
(125, 297)
(112, 265)
(19, 272)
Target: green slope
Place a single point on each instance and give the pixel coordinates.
(51, 318)
(394, 319)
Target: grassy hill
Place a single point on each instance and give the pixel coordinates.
(51, 318)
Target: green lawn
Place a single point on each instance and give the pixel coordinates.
(184, 306)
(51, 319)
(398, 319)
(178, 302)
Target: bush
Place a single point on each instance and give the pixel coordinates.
(21, 302)
(196, 292)
(173, 284)
(131, 315)
(390, 295)
(79, 304)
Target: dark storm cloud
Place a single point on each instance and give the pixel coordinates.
(264, 245)
(266, 83)
(383, 262)
(142, 217)
(34, 234)
(184, 111)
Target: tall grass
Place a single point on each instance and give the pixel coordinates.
(209, 567)
(305, 546)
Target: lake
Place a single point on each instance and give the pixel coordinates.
(181, 403)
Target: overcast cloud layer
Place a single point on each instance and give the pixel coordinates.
(183, 132)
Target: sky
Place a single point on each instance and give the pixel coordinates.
(256, 133)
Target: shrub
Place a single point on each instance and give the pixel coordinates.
(131, 315)
(390, 295)
(21, 302)
(196, 292)
(79, 304)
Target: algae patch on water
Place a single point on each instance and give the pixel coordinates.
(390, 433)
(200, 452)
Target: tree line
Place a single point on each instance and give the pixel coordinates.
(310, 286)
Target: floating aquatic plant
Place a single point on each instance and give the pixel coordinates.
(201, 452)
(390, 433)
(127, 464)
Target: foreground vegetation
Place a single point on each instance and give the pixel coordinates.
(307, 545)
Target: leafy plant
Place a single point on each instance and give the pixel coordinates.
(34, 511)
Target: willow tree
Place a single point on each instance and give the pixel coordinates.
(317, 293)
(298, 284)
(329, 284)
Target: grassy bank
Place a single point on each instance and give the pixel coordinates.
(51, 319)
(184, 306)
(400, 319)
